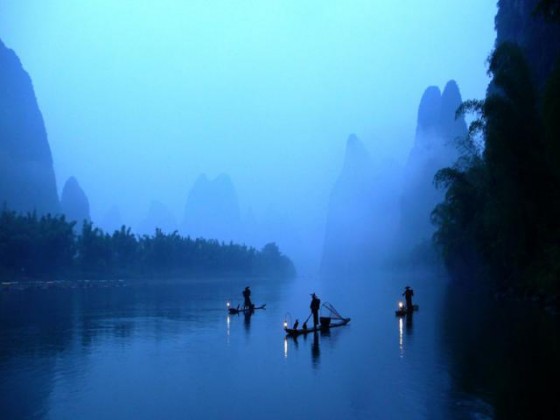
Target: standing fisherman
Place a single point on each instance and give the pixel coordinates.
(408, 293)
(247, 298)
(314, 306)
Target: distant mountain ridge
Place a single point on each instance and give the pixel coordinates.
(27, 179)
(74, 202)
(350, 231)
(158, 217)
(362, 212)
(435, 147)
(212, 209)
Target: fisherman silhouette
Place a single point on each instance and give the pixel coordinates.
(314, 306)
(304, 327)
(296, 324)
(247, 298)
(408, 293)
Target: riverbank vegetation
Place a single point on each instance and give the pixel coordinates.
(48, 247)
(502, 198)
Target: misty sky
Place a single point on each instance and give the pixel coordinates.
(141, 96)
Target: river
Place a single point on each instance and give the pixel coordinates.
(168, 349)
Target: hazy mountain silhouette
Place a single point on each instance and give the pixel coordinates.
(27, 180)
(434, 148)
(212, 210)
(350, 227)
(74, 202)
(111, 220)
(251, 231)
(159, 216)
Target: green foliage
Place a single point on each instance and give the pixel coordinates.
(502, 199)
(36, 248)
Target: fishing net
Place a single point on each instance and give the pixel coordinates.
(329, 311)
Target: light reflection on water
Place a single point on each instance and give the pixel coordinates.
(161, 351)
(401, 333)
(151, 351)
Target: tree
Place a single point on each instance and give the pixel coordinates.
(94, 250)
(502, 199)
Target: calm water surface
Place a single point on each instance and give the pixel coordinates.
(169, 350)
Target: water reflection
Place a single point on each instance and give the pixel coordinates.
(401, 339)
(36, 327)
(405, 325)
(54, 345)
(315, 344)
(315, 350)
(409, 323)
(247, 321)
(502, 356)
(228, 326)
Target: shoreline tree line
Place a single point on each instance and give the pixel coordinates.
(501, 211)
(34, 247)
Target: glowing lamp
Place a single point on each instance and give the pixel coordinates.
(401, 305)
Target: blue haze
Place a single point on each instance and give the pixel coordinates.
(140, 97)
